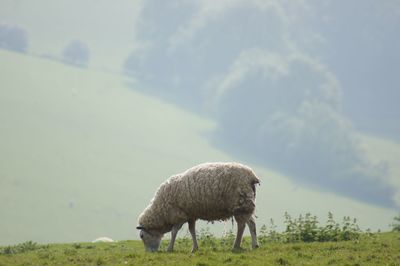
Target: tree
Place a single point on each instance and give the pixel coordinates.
(13, 38)
(76, 53)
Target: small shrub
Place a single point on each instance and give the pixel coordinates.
(269, 234)
(164, 244)
(350, 229)
(70, 252)
(44, 254)
(282, 261)
(396, 225)
(227, 239)
(273, 235)
(100, 261)
(185, 241)
(331, 231)
(263, 235)
(207, 239)
(306, 228)
(21, 248)
(77, 245)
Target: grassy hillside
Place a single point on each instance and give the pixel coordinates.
(81, 153)
(377, 249)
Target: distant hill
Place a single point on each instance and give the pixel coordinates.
(82, 154)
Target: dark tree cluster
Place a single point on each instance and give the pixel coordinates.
(76, 53)
(13, 38)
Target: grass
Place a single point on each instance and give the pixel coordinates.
(369, 249)
(76, 142)
(304, 242)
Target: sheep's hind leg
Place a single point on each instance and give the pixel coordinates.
(241, 224)
(253, 232)
(174, 232)
(192, 230)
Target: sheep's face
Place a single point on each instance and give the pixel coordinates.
(151, 240)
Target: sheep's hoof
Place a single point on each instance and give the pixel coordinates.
(194, 249)
(256, 246)
(237, 249)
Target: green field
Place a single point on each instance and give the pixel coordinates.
(82, 153)
(372, 249)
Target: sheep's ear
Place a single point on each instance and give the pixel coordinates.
(140, 227)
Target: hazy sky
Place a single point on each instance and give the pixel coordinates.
(306, 89)
(292, 84)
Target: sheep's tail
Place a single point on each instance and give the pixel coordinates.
(253, 184)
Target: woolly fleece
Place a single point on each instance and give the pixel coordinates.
(210, 191)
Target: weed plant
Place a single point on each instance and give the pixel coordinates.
(306, 228)
(21, 248)
(396, 224)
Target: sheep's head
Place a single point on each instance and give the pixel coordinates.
(150, 238)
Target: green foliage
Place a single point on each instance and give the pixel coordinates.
(207, 239)
(306, 228)
(269, 234)
(21, 248)
(76, 245)
(396, 224)
(227, 240)
(184, 242)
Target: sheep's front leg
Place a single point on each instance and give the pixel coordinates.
(174, 232)
(253, 232)
(192, 230)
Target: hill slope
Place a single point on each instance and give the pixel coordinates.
(81, 155)
(80, 152)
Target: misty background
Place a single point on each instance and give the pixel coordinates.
(101, 102)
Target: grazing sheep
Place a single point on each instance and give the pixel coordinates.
(210, 191)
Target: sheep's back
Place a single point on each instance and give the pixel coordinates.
(214, 191)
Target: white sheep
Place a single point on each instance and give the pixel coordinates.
(102, 239)
(210, 191)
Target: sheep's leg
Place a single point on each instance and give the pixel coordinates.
(241, 224)
(253, 232)
(192, 230)
(174, 232)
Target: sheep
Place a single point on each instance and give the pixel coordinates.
(102, 239)
(209, 191)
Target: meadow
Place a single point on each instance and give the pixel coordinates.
(303, 242)
(376, 249)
